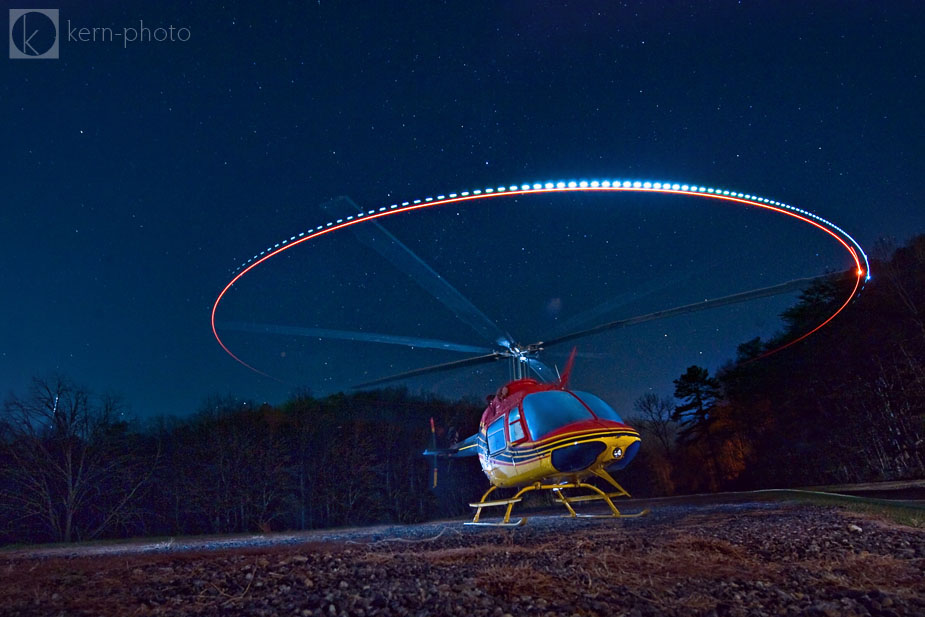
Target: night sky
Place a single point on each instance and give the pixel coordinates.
(138, 176)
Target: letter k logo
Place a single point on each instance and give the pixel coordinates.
(33, 34)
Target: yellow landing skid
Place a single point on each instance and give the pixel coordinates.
(598, 495)
(515, 523)
(507, 522)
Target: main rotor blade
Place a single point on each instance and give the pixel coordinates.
(583, 355)
(448, 366)
(349, 335)
(378, 238)
(744, 296)
(594, 314)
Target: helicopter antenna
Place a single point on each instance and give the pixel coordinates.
(567, 373)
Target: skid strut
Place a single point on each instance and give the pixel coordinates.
(596, 495)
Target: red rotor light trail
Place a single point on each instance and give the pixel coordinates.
(857, 254)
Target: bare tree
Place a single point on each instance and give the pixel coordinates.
(659, 432)
(69, 474)
(655, 418)
(230, 468)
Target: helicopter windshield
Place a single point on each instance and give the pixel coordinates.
(601, 409)
(550, 410)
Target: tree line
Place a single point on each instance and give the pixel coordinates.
(845, 405)
(74, 469)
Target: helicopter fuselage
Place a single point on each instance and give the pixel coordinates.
(532, 432)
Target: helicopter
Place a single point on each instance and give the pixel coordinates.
(544, 436)
(535, 434)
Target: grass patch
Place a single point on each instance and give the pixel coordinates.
(850, 570)
(911, 515)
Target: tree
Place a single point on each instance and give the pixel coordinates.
(700, 393)
(70, 474)
(904, 270)
(658, 432)
(655, 417)
(230, 469)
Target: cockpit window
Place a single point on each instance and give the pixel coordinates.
(496, 435)
(547, 411)
(601, 409)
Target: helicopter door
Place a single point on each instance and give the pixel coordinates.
(515, 426)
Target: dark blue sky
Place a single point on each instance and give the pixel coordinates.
(136, 177)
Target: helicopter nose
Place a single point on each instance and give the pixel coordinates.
(577, 457)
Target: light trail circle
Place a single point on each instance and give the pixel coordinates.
(862, 265)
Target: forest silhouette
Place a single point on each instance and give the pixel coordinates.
(845, 405)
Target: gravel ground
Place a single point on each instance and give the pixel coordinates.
(743, 559)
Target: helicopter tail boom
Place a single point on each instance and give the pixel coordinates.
(466, 447)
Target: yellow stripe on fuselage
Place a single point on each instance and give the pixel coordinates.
(539, 448)
(532, 464)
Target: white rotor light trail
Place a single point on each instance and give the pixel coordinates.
(862, 266)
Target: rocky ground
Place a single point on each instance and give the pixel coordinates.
(742, 559)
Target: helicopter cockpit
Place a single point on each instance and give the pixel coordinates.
(546, 412)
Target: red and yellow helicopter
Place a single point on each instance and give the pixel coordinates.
(535, 434)
(543, 436)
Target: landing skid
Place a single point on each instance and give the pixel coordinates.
(517, 523)
(596, 495)
(621, 515)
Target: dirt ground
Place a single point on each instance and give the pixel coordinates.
(715, 559)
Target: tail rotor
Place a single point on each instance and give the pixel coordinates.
(433, 448)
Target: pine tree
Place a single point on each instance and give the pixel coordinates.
(700, 392)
